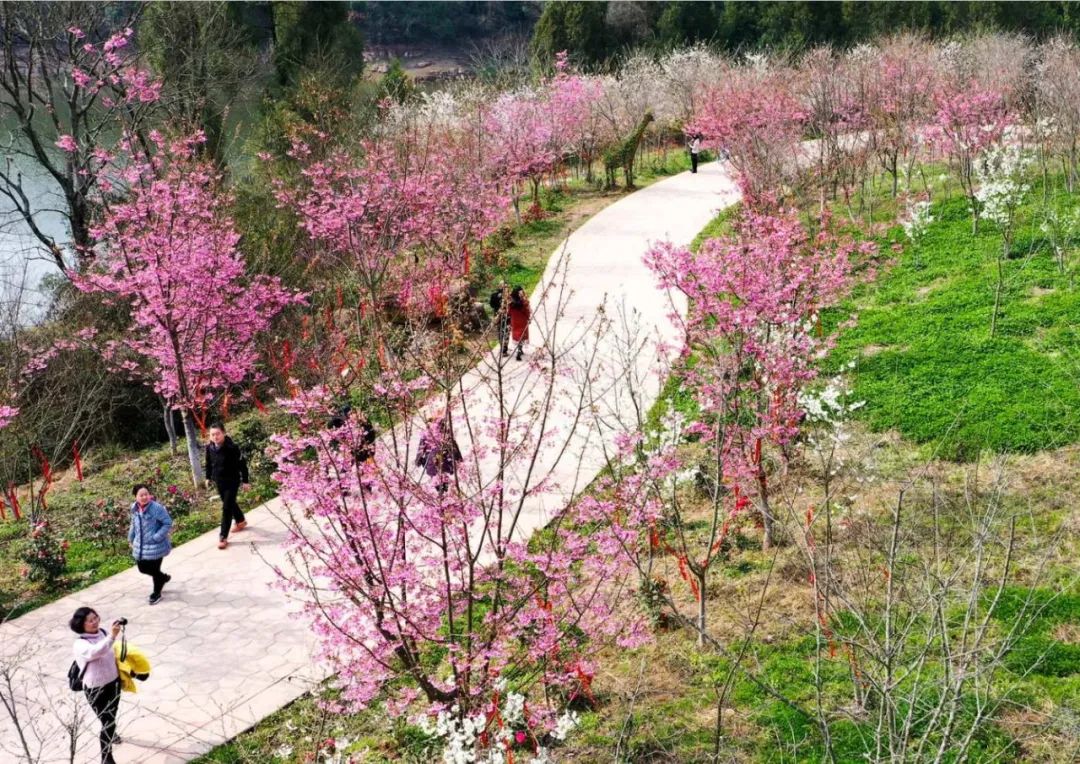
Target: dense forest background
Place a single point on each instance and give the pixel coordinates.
(598, 32)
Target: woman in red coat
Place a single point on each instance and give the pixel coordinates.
(519, 318)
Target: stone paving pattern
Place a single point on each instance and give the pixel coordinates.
(225, 650)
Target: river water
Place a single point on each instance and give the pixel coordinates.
(23, 260)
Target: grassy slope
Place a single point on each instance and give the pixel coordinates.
(925, 361)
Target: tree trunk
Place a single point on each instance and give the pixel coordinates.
(170, 427)
(701, 609)
(997, 289)
(193, 449)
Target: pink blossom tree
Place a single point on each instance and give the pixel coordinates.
(968, 121)
(754, 118)
(534, 129)
(898, 102)
(751, 342)
(168, 254)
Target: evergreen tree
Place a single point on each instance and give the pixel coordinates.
(305, 32)
(575, 27)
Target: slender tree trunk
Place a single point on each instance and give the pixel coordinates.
(701, 608)
(170, 427)
(193, 449)
(998, 288)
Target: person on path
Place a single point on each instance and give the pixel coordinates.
(148, 536)
(695, 148)
(227, 469)
(438, 452)
(519, 314)
(100, 676)
(499, 303)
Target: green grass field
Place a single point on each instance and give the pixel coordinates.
(925, 362)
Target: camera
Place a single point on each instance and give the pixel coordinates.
(121, 621)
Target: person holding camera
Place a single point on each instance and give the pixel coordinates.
(148, 535)
(100, 676)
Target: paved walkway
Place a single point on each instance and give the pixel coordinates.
(225, 650)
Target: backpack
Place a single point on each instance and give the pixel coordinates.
(75, 677)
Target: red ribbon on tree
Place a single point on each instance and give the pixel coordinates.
(46, 472)
(13, 499)
(78, 460)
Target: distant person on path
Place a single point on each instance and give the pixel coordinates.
(438, 452)
(100, 676)
(520, 314)
(148, 535)
(498, 302)
(227, 469)
(695, 148)
(363, 451)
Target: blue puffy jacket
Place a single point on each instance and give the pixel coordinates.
(149, 532)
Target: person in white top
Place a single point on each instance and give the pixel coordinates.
(695, 147)
(100, 677)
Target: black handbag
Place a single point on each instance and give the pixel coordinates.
(75, 677)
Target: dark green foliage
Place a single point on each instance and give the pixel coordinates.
(575, 27)
(684, 22)
(309, 32)
(395, 84)
(592, 35)
(444, 22)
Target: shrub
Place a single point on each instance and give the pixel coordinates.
(104, 523)
(45, 555)
(177, 500)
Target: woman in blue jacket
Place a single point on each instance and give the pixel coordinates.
(149, 538)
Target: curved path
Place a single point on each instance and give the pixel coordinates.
(225, 651)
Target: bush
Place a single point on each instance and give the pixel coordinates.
(178, 501)
(45, 555)
(104, 523)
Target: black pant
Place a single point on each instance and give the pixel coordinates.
(693, 161)
(152, 568)
(504, 335)
(230, 510)
(105, 701)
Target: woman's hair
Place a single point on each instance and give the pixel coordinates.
(138, 486)
(78, 621)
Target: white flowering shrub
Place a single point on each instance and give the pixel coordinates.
(1061, 229)
(830, 409)
(1000, 175)
(917, 220)
(495, 736)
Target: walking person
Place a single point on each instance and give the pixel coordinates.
(438, 453)
(148, 536)
(100, 677)
(227, 469)
(519, 314)
(499, 303)
(695, 148)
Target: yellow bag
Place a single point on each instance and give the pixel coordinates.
(132, 663)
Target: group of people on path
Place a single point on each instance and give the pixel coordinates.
(100, 667)
(150, 528)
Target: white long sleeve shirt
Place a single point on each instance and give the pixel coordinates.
(95, 653)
